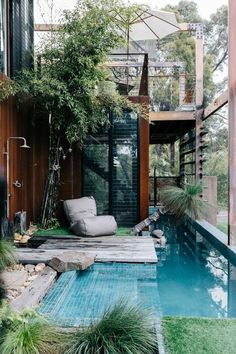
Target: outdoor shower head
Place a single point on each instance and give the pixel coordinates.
(24, 146)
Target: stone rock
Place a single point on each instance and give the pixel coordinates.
(15, 279)
(32, 277)
(160, 242)
(24, 239)
(157, 233)
(27, 283)
(30, 268)
(40, 267)
(71, 260)
(17, 236)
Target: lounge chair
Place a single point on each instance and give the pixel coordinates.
(82, 216)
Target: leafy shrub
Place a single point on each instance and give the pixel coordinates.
(7, 255)
(27, 333)
(122, 330)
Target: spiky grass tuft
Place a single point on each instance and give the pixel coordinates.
(122, 330)
(7, 255)
(29, 333)
(179, 201)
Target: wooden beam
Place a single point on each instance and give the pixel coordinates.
(120, 63)
(232, 122)
(199, 71)
(46, 27)
(219, 102)
(171, 115)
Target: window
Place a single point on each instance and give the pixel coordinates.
(3, 55)
(21, 33)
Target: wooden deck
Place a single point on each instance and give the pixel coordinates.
(106, 249)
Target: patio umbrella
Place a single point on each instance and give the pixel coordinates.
(140, 23)
(150, 24)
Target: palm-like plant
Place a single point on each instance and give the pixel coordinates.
(179, 201)
(122, 330)
(28, 333)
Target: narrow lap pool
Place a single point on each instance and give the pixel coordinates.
(191, 279)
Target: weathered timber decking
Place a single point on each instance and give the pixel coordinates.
(106, 249)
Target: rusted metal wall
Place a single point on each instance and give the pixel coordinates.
(28, 166)
(210, 195)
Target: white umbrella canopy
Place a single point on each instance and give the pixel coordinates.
(139, 23)
(150, 24)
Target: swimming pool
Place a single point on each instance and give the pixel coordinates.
(191, 279)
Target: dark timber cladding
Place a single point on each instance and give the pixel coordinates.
(28, 166)
(232, 122)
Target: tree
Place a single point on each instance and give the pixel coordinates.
(66, 86)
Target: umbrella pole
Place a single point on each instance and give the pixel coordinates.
(127, 71)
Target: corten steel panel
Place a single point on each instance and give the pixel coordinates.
(210, 195)
(232, 122)
(28, 166)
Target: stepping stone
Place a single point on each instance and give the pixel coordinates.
(71, 260)
(157, 233)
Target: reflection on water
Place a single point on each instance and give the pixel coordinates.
(193, 277)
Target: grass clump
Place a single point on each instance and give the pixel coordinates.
(7, 255)
(122, 330)
(179, 201)
(28, 333)
(199, 335)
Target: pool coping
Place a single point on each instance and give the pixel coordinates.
(218, 238)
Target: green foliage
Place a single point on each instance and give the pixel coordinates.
(66, 83)
(7, 255)
(199, 335)
(122, 330)
(7, 88)
(216, 156)
(28, 333)
(180, 201)
(217, 37)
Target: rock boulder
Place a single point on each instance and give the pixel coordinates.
(71, 260)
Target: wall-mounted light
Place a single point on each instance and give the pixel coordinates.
(24, 146)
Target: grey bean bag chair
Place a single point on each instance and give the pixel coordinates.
(82, 215)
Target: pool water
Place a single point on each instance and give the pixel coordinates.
(191, 279)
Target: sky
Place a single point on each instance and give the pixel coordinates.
(206, 7)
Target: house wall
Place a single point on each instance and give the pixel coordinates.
(28, 166)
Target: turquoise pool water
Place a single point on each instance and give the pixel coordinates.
(191, 279)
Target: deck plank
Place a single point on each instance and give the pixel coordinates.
(106, 249)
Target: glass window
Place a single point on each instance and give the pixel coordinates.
(111, 169)
(3, 36)
(22, 30)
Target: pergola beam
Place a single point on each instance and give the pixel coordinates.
(171, 116)
(219, 102)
